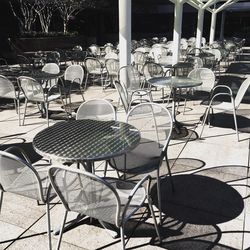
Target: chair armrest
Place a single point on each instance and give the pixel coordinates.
(133, 192)
(15, 149)
(139, 184)
(223, 86)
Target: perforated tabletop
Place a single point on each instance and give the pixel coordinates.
(86, 140)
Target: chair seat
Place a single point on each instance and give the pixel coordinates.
(124, 189)
(53, 97)
(144, 158)
(223, 106)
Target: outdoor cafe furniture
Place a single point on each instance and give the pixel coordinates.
(155, 125)
(19, 176)
(112, 66)
(131, 79)
(232, 106)
(203, 91)
(34, 92)
(9, 91)
(95, 71)
(72, 83)
(109, 200)
(51, 68)
(96, 109)
(86, 141)
(175, 82)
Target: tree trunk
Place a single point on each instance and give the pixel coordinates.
(65, 22)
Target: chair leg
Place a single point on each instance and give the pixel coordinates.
(236, 125)
(86, 81)
(47, 112)
(61, 231)
(48, 224)
(122, 237)
(18, 112)
(25, 108)
(1, 200)
(105, 168)
(154, 218)
(185, 104)
(204, 120)
(169, 172)
(158, 182)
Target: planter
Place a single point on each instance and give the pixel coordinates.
(48, 43)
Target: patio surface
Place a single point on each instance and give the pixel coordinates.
(209, 209)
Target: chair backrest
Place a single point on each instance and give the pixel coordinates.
(139, 58)
(158, 52)
(112, 66)
(51, 68)
(196, 61)
(93, 65)
(241, 92)
(182, 68)
(109, 47)
(154, 123)
(206, 76)
(32, 89)
(95, 50)
(151, 69)
(111, 55)
(7, 89)
(86, 193)
(74, 73)
(123, 94)
(96, 109)
(130, 78)
(19, 177)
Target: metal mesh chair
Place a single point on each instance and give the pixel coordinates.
(73, 80)
(233, 105)
(139, 58)
(34, 92)
(131, 79)
(112, 66)
(18, 176)
(151, 70)
(95, 71)
(51, 68)
(201, 92)
(8, 91)
(124, 96)
(155, 125)
(96, 109)
(106, 199)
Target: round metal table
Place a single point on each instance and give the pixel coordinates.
(175, 83)
(86, 141)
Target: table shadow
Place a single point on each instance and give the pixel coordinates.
(199, 200)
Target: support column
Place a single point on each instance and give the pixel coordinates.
(177, 30)
(212, 27)
(125, 32)
(199, 31)
(222, 24)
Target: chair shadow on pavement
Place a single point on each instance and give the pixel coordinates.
(194, 208)
(26, 146)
